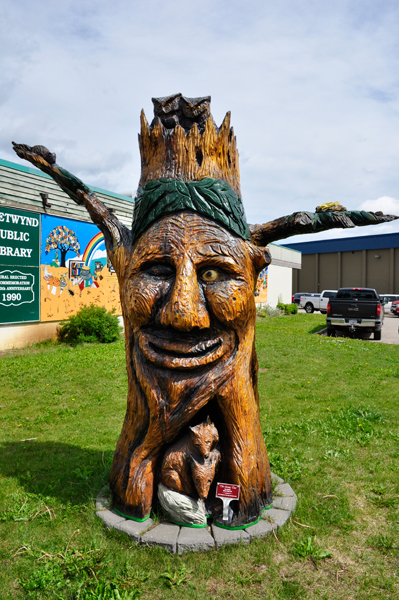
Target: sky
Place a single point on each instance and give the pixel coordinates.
(313, 88)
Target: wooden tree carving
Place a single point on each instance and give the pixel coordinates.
(187, 272)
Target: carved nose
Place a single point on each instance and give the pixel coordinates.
(185, 308)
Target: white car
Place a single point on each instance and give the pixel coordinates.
(387, 300)
(317, 301)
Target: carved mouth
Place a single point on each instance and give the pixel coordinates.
(179, 351)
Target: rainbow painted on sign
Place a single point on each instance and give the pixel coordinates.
(91, 248)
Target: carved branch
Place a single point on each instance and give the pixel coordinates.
(116, 235)
(307, 222)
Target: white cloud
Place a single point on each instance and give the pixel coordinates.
(99, 254)
(386, 204)
(313, 90)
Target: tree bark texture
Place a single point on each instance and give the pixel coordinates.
(187, 294)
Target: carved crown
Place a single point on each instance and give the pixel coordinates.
(189, 155)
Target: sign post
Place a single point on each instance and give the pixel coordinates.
(19, 266)
(227, 492)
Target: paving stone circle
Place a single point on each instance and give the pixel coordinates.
(175, 538)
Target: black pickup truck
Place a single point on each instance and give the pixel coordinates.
(355, 309)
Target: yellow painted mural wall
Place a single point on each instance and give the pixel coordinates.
(74, 269)
(62, 296)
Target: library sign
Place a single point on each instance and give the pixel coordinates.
(19, 265)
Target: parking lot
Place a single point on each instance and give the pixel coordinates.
(390, 330)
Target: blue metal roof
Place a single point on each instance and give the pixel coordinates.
(367, 242)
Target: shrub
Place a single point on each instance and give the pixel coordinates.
(291, 309)
(91, 324)
(288, 309)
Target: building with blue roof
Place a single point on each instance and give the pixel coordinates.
(361, 261)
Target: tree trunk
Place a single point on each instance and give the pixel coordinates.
(63, 255)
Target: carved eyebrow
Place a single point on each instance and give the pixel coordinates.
(223, 263)
(151, 256)
(146, 257)
(224, 250)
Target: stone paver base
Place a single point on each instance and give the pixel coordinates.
(183, 539)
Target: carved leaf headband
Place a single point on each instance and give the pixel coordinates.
(209, 197)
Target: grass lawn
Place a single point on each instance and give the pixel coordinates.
(329, 410)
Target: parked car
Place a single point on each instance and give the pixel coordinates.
(319, 302)
(387, 300)
(296, 297)
(395, 308)
(355, 309)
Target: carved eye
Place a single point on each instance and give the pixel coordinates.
(210, 275)
(208, 443)
(159, 270)
(197, 480)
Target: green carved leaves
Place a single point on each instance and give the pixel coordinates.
(211, 198)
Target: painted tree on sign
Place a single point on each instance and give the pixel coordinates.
(64, 240)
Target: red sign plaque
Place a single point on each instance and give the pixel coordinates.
(228, 490)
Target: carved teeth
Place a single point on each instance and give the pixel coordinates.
(204, 346)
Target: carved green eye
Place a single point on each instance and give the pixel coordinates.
(210, 275)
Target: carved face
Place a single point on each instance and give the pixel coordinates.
(194, 107)
(203, 474)
(203, 437)
(168, 110)
(190, 291)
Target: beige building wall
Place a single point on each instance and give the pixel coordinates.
(395, 269)
(24, 334)
(307, 276)
(378, 269)
(279, 284)
(352, 269)
(328, 271)
(285, 261)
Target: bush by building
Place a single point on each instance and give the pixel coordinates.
(91, 324)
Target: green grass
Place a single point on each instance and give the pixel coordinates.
(329, 411)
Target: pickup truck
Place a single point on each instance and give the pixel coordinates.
(296, 297)
(319, 302)
(355, 309)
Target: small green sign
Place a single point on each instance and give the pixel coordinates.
(19, 266)
(19, 295)
(19, 237)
